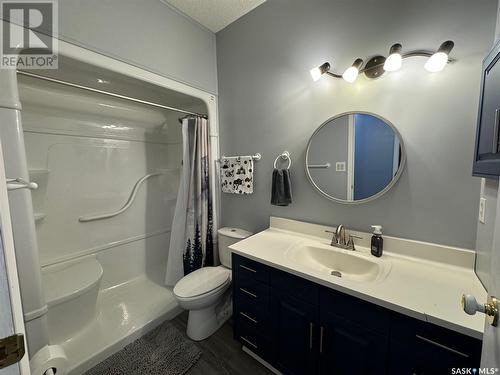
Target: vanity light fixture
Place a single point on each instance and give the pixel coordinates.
(378, 65)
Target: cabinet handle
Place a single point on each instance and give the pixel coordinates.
(249, 293)
(311, 327)
(321, 339)
(495, 131)
(248, 317)
(249, 342)
(248, 268)
(441, 346)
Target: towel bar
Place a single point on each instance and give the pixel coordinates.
(319, 166)
(257, 156)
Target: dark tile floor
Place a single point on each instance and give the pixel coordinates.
(221, 355)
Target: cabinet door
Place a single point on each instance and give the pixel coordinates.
(346, 348)
(295, 334)
(487, 152)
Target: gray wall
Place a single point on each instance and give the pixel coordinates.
(145, 33)
(268, 103)
(330, 145)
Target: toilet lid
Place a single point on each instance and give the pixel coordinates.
(202, 281)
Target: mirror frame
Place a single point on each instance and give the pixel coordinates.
(381, 192)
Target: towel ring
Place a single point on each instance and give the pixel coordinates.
(284, 155)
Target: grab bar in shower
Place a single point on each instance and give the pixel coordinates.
(19, 183)
(131, 198)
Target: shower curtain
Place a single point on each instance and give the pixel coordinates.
(191, 240)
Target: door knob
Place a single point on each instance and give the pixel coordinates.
(471, 306)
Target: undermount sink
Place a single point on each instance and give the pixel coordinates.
(340, 263)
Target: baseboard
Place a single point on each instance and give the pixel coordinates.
(260, 360)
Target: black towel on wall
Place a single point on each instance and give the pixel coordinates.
(282, 189)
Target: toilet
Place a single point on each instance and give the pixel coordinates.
(202, 291)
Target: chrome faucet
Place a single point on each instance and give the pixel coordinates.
(339, 239)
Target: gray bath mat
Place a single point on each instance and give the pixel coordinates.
(163, 351)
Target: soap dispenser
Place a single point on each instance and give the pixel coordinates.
(377, 246)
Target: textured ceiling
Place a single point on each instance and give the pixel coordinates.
(215, 14)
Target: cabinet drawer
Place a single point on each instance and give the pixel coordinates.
(355, 310)
(253, 340)
(408, 330)
(245, 268)
(294, 286)
(252, 314)
(251, 292)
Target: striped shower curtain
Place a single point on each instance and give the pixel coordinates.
(191, 240)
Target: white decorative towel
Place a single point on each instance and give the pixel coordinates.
(236, 175)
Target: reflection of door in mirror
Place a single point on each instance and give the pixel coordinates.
(377, 155)
(354, 157)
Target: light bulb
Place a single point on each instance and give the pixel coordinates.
(395, 60)
(352, 72)
(438, 61)
(317, 72)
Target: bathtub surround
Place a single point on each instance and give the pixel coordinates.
(191, 243)
(436, 198)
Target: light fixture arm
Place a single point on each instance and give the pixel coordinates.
(380, 65)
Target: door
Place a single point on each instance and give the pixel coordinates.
(11, 314)
(346, 348)
(490, 357)
(296, 333)
(374, 143)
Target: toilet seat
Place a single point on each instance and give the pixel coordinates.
(202, 282)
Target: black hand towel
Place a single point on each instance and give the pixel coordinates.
(282, 189)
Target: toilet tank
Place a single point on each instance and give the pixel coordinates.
(226, 237)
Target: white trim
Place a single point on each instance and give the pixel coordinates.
(11, 265)
(351, 134)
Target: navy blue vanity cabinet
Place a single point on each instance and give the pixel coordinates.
(251, 321)
(295, 321)
(422, 348)
(295, 327)
(354, 335)
(487, 150)
(347, 348)
(301, 327)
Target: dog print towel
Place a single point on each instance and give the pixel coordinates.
(236, 175)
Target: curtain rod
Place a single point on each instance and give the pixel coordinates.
(66, 83)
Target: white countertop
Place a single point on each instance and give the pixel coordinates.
(428, 288)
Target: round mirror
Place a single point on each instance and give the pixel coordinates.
(355, 157)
